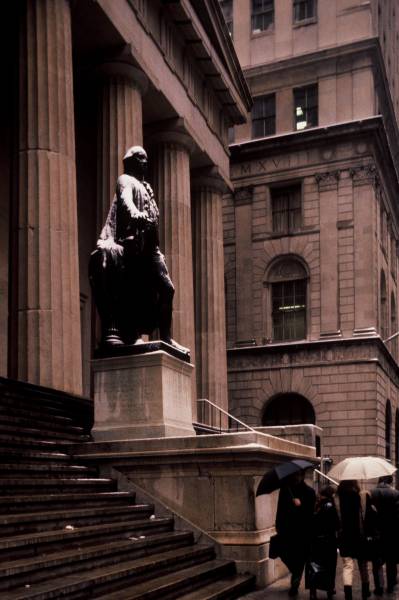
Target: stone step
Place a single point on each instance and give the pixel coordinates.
(27, 454)
(223, 589)
(46, 402)
(37, 405)
(35, 413)
(52, 468)
(50, 425)
(78, 517)
(14, 441)
(9, 485)
(31, 432)
(28, 544)
(40, 502)
(167, 586)
(108, 578)
(19, 572)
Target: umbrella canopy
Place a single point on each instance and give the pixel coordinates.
(273, 479)
(361, 467)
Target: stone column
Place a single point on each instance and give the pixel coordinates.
(366, 274)
(49, 346)
(210, 320)
(328, 201)
(244, 260)
(170, 164)
(120, 125)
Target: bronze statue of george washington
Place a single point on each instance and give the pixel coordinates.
(129, 278)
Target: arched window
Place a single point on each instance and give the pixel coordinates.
(388, 425)
(288, 409)
(288, 279)
(383, 307)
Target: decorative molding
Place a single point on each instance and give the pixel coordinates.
(328, 181)
(364, 175)
(243, 195)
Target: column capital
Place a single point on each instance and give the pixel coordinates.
(170, 131)
(328, 181)
(364, 175)
(208, 178)
(124, 70)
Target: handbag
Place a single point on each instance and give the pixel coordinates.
(275, 546)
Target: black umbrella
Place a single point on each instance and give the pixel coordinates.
(273, 479)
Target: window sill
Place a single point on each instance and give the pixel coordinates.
(257, 34)
(304, 23)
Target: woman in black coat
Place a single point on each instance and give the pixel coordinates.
(357, 517)
(322, 564)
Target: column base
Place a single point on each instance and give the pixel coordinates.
(142, 396)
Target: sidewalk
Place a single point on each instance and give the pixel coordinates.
(279, 590)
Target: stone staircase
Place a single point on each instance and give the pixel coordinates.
(65, 532)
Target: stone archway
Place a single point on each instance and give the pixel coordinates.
(288, 409)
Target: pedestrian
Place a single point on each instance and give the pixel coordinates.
(357, 523)
(293, 520)
(386, 500)
(322, 564)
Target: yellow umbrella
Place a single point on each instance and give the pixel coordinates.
(361, 467)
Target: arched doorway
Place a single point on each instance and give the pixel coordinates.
(288, 409)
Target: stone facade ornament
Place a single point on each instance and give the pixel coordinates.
(243, 195)
(364, 174)
(328, 180)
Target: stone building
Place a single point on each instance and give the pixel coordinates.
(311, 229)
(86, 80)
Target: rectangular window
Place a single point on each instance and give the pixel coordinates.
(262, 15)
(304, 9)
(264, 116)
(227, 10)
(289, 310)
(306, 107)
(286, 209)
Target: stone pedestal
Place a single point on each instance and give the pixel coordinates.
(142, 396)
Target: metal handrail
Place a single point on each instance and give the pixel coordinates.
(230, 416)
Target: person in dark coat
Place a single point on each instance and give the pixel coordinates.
(357, 522)
(386, 500)
(322, 564)
(293, 520)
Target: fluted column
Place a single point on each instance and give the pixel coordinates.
(49, 346)
(210, 327)
(120, 125)
(170, 161)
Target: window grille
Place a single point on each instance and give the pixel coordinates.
(262, 15)
(306, 107)
(286, 209)
(304, 9)
(264, 116)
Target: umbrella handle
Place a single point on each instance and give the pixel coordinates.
(326, 476)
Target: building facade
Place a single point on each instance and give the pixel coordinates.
(311, 229)
(86, 80)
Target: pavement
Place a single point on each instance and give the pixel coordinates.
(279, 590)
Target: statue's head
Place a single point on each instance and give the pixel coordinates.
(135, 161)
